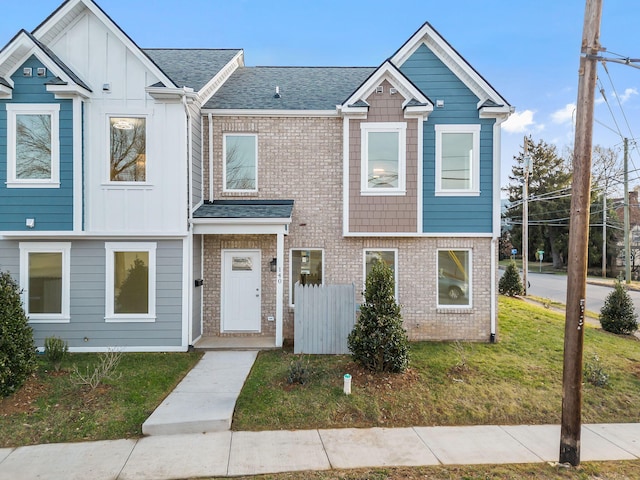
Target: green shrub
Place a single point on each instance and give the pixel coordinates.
(17, 350)
(56, 350)
(378, 340)
(617, 315)
(299, 371)
(594, 372)
(510, 283)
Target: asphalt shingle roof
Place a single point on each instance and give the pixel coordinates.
(245, 209)
(301, 88)
(190, 67)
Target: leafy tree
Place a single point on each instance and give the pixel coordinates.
(550, 203)
(17, 350)
(548, 218)
(617, 314)
(510, 283)
(134, 291)
(378, 340)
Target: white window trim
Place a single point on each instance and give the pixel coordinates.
(474, 190)
(291, 283)
(224, 162)
(395, 269)
(111, 248)
(45, 247)
(469, 280)
(115, 183)
(14, 109)
(395, 127)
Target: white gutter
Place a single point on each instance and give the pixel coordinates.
(188, 280)
(210, 126)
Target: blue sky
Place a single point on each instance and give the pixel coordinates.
(527, 49)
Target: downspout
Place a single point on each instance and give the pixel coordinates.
(210, 128)
(189, 266)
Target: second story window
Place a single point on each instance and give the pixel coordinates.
(457, 159)
(383, 158)
(33, 146)
(240, 166)
(128, 149)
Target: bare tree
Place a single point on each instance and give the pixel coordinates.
(128, 149)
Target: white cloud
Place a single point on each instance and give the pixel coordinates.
(564, 115)
(627, 94)
(519, 122)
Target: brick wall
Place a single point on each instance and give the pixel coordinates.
(301, 159)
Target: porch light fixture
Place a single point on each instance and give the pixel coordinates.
(273, 265)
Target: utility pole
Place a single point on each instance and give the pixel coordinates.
(579, 238)
(525, 215)
(604, 230)
(627, 246)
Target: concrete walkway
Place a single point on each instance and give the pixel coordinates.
(205, 399)
(251, 453)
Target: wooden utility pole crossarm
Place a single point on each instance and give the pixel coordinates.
(579, 238)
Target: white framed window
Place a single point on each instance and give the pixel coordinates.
(306, 267)
(383, 152)
(127, 149)
(45, 281)
(457, 160)
(130, 282)
(454, 278)
(33, 145)
(386, 255)
(240, 166)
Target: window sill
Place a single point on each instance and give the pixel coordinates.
(130, 319)
(49, 319)
(383, 193)
(33, 185)
(457, 193)
(126, 185)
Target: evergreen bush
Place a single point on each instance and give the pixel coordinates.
(378, 340)
(617, 315)
(510, 283)
(17, 350)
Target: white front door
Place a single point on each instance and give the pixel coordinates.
(241, 291)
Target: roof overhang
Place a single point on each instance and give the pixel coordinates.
(163, 93)
(243, 217)
(416, 103)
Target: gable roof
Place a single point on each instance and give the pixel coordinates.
(23, 45)
(429, 36)
(192, 68)
(70, 10)
(300, 88)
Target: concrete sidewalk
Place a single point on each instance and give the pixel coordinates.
(251, 453)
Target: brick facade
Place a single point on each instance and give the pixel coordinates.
(301, 159)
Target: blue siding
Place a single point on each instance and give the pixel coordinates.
(52, 208)
(451, 214)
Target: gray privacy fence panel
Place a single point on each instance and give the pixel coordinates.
(324, 317)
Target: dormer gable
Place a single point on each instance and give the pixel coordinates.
(23, 46)
(415, 103)
(490, 104)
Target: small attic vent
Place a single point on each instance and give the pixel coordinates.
(42, 72)
(380, 89)
(393, 91)
(27, 72)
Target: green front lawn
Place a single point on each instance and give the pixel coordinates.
(515, 381)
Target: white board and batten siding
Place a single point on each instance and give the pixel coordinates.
(324, 317)
(118, 77)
